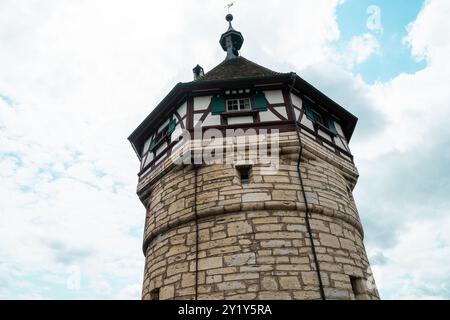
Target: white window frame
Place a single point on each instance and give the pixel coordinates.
(242, 107)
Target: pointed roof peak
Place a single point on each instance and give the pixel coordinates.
(237, 68)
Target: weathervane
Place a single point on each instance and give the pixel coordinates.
(228, 6)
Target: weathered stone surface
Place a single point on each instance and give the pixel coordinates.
(252, 240)
(255, 197)
(188, 280)
(329, 240)
(296, 227)
(270, 295)
(177, 250)
(269, 284)
(240, 259)
(336, 293)
(176, 206)
(230, 285)
(306, 295)
(167, 292)
(210, 263)
(284, 195)
(241, 276)
(348, 245)
(214, 279)
(177, 268)
(310, 278)
(275, 244)
(238, 228)
(289, 283)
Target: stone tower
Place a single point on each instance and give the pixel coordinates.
(247, 179)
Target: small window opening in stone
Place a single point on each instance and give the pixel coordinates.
(154, 294)
(244, 173)
(349, 192)
(358, 287)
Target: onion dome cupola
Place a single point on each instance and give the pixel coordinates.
(232, 40)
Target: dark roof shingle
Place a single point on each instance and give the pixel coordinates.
(237, 68)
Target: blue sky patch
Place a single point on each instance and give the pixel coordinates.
(7, 99)
(394, 57)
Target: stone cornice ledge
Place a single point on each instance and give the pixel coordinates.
(289, 148)
(252, 206)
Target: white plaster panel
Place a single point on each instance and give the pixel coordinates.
(297, 113)
(282, 111)
(324, 135)
(296, 101)
(339, 143)
(212, 120)
(148, 159)
(338, 128)
(197, 117)
(146, 145)
(182, 110)
(274, 96)
(343, 142)
(267, 116)
(176, 133)
(201, 103)
(308, 123)
(240, 120)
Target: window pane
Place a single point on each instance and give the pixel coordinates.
(238, 104)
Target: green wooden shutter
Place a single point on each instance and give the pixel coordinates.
(308, 111)
(152, 145)
(217, 105)
(331, 125)
(259, 101)
(172, 125)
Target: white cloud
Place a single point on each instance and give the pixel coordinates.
(83, 75)
(417, 266)
(415, 106)
(416, 113)
(361, 48)
(427, 36)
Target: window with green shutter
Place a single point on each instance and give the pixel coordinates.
(308, 110)
(259, 101)
(217, 105)
(152, 145)
(331, 125)
(162, 134)
(172, 125)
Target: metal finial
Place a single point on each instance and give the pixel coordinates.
(229, 18)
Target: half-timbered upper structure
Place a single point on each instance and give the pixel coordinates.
(240, 94)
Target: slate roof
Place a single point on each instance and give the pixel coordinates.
(237, 68)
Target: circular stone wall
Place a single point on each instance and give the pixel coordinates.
(252, 239)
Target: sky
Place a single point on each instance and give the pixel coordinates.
(76, 77)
